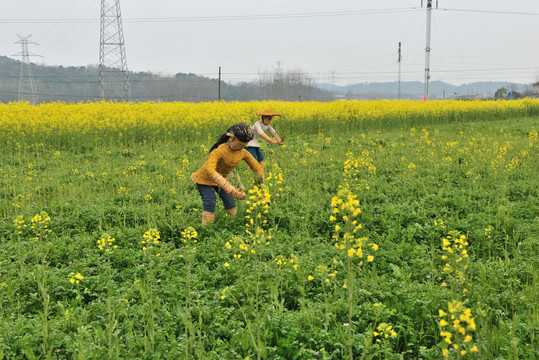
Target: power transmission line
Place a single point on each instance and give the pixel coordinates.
(260, 17)
(493, 12)
(314, 75)
(220, 18)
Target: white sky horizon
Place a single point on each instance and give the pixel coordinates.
(340, 42)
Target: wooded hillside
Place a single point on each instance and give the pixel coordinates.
(81, 84)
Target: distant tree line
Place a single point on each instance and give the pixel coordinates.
(511, 92)
(81, 84)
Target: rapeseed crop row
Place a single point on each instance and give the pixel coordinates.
(143, 120)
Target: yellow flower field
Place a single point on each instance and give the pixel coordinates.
(382, 230)
(19, 119)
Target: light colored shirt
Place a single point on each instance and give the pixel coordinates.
(223, 160)
(259, 128)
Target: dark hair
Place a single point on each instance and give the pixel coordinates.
(242, 132)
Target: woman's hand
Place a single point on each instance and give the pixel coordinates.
(276, 140)
(238, 194)
(259, 179)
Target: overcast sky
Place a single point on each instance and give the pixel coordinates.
(340, 41)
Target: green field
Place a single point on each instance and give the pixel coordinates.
(292, 294)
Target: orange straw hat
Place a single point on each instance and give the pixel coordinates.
(268, 112)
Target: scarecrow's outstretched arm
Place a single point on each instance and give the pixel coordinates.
(226, 186)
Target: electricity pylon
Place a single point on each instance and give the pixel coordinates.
(27, 89)
(113, 75)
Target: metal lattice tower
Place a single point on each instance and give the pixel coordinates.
(27, 89)
(113, 75)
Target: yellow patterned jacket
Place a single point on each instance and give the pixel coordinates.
(222, 160)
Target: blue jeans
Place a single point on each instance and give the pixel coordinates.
(207, 193)
(256, 152)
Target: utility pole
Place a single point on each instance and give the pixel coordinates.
(278, 82)
(219, 87)
(279, 62)
(399, 79)
(27, 90)
(113, 74)
(427, 49)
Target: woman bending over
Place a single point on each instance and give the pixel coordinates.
(211, 178)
